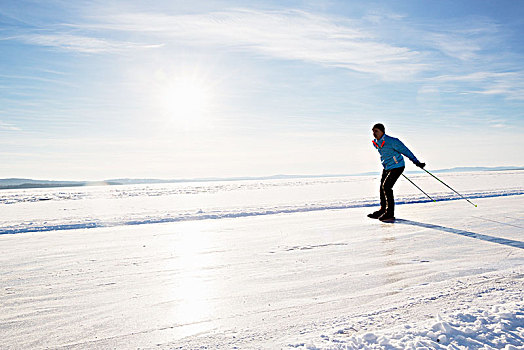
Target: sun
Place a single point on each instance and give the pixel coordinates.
(185, 100)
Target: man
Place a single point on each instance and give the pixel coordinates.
(391, 150)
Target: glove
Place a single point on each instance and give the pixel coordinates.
(420, 165)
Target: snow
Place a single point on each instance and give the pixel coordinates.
(92, 207)
(276, 264)
(497, 322)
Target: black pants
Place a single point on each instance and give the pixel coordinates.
(387, 201)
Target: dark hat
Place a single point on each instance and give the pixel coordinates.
(379, 126)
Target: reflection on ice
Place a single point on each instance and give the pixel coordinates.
(191, 292)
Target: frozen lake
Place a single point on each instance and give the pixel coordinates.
(263, 264)
(102, 206)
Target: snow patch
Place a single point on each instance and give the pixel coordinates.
(498, 327)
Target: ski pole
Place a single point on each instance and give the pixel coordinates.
(418, 188)
(450, 187)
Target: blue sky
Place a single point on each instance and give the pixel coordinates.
(176, 89)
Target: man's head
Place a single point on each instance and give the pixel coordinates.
(378, 130)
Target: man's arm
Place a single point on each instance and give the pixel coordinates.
(402, 149)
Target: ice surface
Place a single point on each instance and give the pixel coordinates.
(320, 279)
(34, 210)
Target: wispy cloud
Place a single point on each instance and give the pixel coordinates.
(465, 40)
(454, 45)
(79, 43)
(33, 78)
(367, 45)
(8, 127)
(476, 77)
(509, 84)
(291, 34)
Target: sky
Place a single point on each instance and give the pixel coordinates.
(93, 90)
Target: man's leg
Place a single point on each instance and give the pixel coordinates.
(385, 174)
(382, 210)
(386, 191)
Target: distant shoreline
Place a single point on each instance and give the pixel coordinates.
(19, 183)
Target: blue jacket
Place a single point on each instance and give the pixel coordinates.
(391, 150)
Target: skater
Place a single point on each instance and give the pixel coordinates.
(391, 150)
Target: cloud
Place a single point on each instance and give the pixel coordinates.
(455, 46)
(465, 40)
(508, 84)
(475, 77)
(386, 45)
(291, 35)
(34, 78)
(8, 127)
(78, 43)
